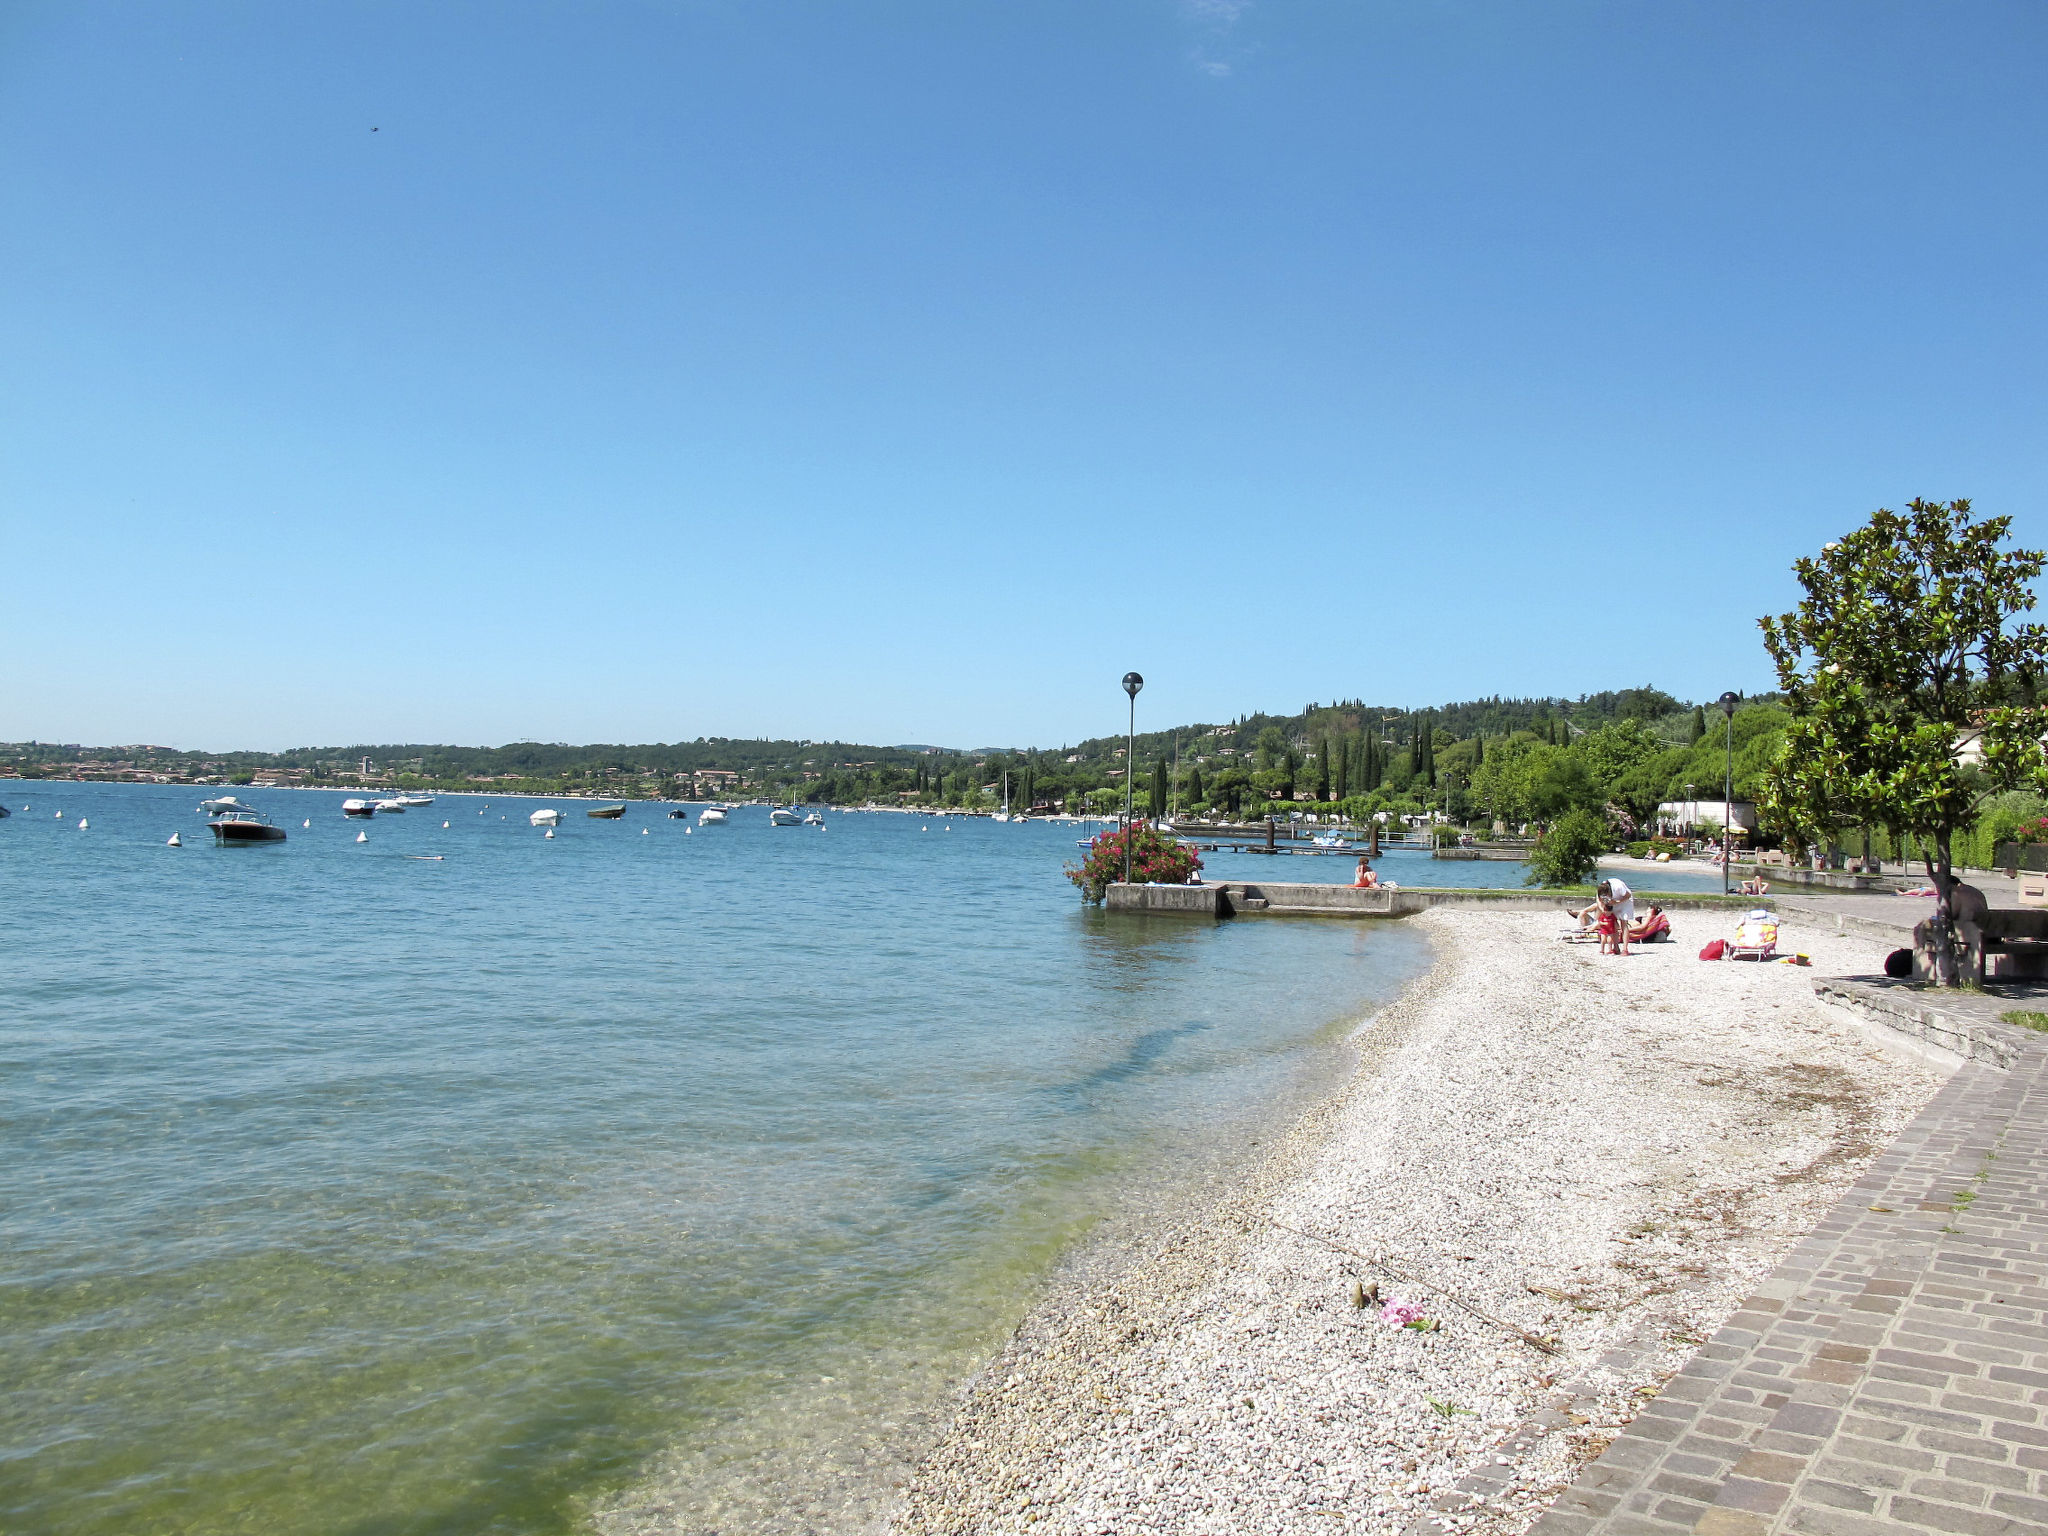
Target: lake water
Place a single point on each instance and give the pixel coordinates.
(463, 1180)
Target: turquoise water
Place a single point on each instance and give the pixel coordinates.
(466, 1181)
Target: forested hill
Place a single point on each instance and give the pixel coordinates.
(841, 771)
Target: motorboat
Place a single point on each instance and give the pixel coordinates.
(244, 826)
(783, 817)
(220, 806)
(680, 813)
(358, 808)
(415, 800)
(547, 816)
(390, 807)
(814, 820)
(713, 814)
(607, 812)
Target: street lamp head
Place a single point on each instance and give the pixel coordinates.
(1728, 701)
(1132, 683)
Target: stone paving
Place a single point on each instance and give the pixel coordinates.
(1893, 1372)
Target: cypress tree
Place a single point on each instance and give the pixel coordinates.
(1343, 766)
(1159, 787)
(1195, 786)
(1323, 770)
(1699, 723)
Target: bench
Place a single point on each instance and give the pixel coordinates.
(2004, 945)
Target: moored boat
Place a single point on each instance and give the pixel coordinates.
(547, 816)
(713, 814)
(415, 800)
(390, 807)
(358, 808)
(680, 813)
(220, 805)
(779, 817)
(607, 812)
(244, 826)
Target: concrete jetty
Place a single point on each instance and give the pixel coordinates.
(1230, 898)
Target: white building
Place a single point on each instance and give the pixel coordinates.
(1686, 815)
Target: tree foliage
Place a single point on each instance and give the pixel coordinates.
(1902, 661)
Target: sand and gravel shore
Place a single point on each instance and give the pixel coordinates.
(1604, 1153)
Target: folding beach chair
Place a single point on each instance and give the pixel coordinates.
(1756, 937)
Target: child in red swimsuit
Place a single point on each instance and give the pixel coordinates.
(1606, 925)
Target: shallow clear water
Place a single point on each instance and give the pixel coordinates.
(355, 1190)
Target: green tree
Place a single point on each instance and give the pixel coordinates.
(1902, 659)
(1194, 784)
(1158, 794)
(1699, 723)
(1323, 771)
(1569, 849)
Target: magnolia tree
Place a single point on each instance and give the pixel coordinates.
(1911, 686)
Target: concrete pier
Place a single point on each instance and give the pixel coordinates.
(1228, 898)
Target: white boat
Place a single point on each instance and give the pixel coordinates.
(221, 806)
(390, 807)
(713, 814)
(358, 808)
(415, 799)
(548, 816)
(779, 817)
(814, 820)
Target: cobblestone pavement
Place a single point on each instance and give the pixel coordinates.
(1893, 1372)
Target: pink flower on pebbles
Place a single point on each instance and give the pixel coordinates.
(1400, 1313)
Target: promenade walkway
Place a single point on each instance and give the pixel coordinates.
(1892, 1373)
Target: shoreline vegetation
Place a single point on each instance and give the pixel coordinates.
(1491, 766)
(1535, 1143)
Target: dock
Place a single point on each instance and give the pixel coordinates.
(1232, 898)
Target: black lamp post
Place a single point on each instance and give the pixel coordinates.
(1132, 683)
(1728, 702)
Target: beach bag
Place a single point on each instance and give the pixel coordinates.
(1715, 950)
(1899, 963)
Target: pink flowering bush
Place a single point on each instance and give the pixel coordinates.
(1156, 859)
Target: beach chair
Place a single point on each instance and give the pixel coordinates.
(1756, 937)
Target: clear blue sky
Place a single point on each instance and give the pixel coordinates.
(907, 372)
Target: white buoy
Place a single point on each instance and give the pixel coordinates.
(307, 823)
(686, 831)
(175, 842)
(362, 837)
(549, 833)
(81, 823)
(444, 826)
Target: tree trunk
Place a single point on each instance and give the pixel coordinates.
(1941, 872)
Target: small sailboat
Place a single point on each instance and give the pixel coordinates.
(1004, 813)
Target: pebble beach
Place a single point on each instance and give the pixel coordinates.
(1566, 1168)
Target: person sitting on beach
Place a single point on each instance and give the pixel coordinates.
(1367, 880)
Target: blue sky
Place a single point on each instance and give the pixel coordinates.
(907, 372)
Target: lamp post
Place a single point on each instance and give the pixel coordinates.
(1132, 683)
(1728, 702)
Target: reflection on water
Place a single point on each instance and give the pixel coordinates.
(673, 1175)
